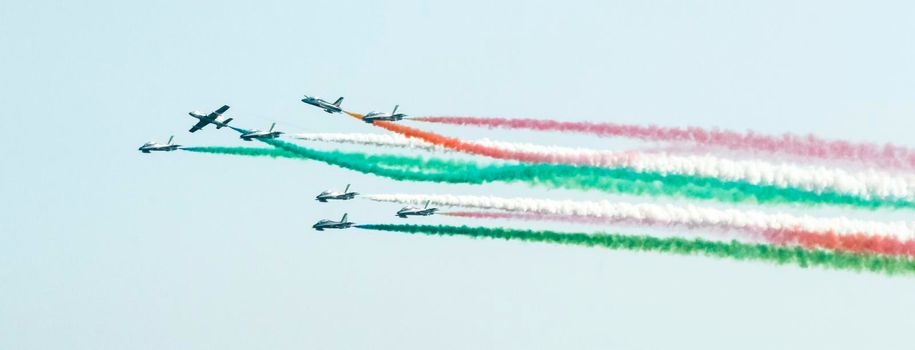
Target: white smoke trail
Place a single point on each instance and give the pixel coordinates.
(685, 215)
(384, 140)
(866, 184)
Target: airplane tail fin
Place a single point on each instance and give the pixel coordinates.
(170, 139)
(395, 110)
(345, 190)
(343, 220)
(338, 101)
(224, 123)
(272, 126)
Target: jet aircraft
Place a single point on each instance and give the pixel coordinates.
(328, 224)
(257, 134)
(326, 106)
(213, 118)
(389, 117)
(425, 211)
(327, 195)
(155, 146)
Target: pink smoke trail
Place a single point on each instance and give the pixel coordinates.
(887, 155)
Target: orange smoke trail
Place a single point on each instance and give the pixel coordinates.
(354, 115)
(458, 145)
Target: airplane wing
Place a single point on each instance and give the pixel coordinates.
(199, 125)
(218, 112)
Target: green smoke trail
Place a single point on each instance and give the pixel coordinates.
(343, 159)
(780, 255)
(611, 180)
(244, 151)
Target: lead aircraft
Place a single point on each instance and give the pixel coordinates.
(214, 118)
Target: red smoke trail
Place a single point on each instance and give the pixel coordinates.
(456, 144)
(493, 152)
(805, 146)
(854, 243)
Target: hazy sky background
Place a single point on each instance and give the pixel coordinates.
(102, 247)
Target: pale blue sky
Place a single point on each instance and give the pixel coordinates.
(102, 247)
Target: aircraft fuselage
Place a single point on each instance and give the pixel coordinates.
(158, 148)
(403, 213)
(370, 118)
(326, 106)
(321, 226)
(339, 196)
(260, 135)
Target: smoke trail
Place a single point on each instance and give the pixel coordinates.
(352, 161)
(855, 243)
(663, 214)
(462, 146)
(811, 146)
(734, 250)
(777, 194)
(815, 179)
(243, 151)
(866, 184)
(584, 219)
(623, 181)
(384, 140)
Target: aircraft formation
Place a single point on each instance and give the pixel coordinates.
(834, 242)
(216, 118)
